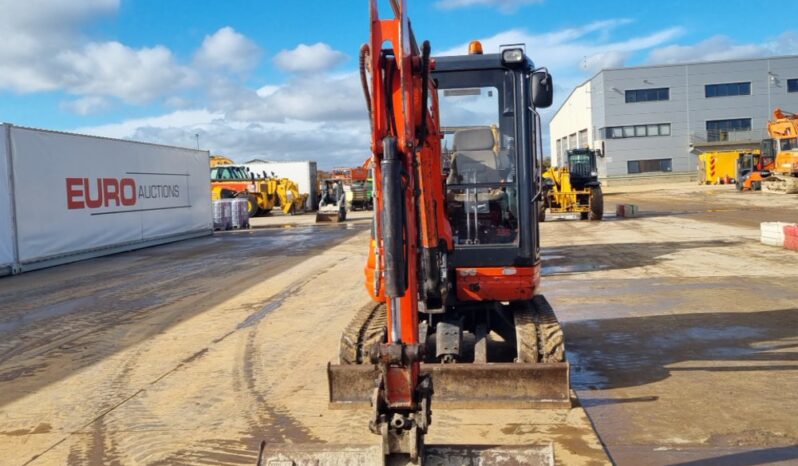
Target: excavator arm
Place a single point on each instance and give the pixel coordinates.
(412, 232)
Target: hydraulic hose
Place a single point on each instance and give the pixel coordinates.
(364, 52)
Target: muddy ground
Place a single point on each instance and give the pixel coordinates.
(681, 330)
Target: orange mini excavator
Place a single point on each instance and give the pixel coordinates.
(454, 262)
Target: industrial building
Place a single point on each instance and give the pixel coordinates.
(655, 120)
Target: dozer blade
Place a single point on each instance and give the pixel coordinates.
(322, 454)
(467, 385)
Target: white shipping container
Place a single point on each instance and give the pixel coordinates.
(7, 255)
(81, 196)
(302, 173)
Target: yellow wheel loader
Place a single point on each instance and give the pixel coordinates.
(573, 188)
(291, 201)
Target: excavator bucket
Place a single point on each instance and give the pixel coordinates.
(322, 454)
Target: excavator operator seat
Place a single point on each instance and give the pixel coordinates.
(474, 159)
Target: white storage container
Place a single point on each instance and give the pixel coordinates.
(102, 196)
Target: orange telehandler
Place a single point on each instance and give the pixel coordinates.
(454, 261)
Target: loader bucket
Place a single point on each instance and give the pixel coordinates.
(321, 454)
(327, 217)
(457, 386)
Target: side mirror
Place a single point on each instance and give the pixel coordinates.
(599, 153)
(541, 88)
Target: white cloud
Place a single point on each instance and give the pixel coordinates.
(721, 47)
(329, 143)
(267, 90)
(319, 97)
(309, 58)
(603, 60)
(34, 31)
(113, 69)
(228, 49)
(42, 50)
(87, 105)
(505, 6)
(177, 119)
(571, 54)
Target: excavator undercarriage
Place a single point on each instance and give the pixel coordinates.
(520, 353)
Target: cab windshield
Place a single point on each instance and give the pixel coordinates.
(579, 164)
(788, 144)
(479, 155)
(229, 173)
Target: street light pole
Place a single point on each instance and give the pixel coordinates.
(196, 135)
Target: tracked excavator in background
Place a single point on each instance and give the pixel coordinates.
(783, 178)
(457, 320)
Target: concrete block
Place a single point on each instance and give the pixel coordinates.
(626, 210)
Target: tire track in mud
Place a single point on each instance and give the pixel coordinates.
(43, 321)
(141, 437)
(265, 421)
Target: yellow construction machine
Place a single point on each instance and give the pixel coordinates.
(721, 167)
(573, 188)
(784, 177)
(263, 192)
(290, 200)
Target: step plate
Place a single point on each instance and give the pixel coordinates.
(463, 386)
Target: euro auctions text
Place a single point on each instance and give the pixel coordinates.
(86, 193)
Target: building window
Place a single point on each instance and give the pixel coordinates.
(582, 138)
(572, 141)
(727, 90)
(637, 131)
(792, 85)
(647, 95)
(718, 130)
(648, 166)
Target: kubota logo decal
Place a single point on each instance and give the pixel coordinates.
(85, 193)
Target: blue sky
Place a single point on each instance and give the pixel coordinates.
(276, 79)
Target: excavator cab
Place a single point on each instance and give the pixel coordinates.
(582, 167)
(488, 122)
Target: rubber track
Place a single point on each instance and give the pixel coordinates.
(551, 342)
(780, 184)
(365, 329)
(526, 335)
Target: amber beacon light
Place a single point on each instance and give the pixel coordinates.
(475, 48)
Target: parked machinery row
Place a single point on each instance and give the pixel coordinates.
(263, 192)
